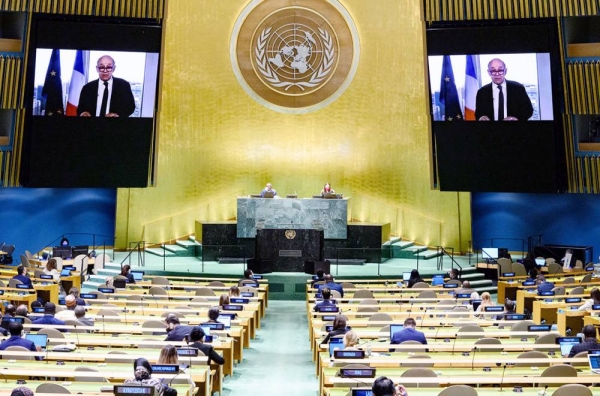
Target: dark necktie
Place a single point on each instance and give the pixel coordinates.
(500, 103)
(105, 100)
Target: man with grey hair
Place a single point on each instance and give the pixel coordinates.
(80, 316)
(107, 96)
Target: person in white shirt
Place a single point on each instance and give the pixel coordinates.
(51, 269)
(594, 300)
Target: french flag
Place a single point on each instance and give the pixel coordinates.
(471, 86)
(78, 80)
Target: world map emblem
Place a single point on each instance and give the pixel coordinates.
(294, 58)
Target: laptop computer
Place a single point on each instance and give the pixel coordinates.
(594, 363)
(40, 340)
(226, 320)
(65, 272)
(268, 194)
(138, 275)
(335, 343)
(406, 276)
(394, 328)
(566, 343)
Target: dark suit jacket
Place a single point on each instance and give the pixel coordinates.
(518, 104)
(209, 351)
(121, 101)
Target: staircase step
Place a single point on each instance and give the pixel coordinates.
(187, 243)
(160, 252)
(403, 244)
(429, 254)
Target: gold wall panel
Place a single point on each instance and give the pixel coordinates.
(216, 143)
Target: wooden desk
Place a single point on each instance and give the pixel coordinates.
(126, 339)
(570, 319)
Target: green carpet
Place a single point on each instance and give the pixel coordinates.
(279, 361)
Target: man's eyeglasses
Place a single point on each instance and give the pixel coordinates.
(105, 68)
(498, 72)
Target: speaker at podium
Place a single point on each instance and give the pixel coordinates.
(311, 267)
(260, 266)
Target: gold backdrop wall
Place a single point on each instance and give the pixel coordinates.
(216, 143)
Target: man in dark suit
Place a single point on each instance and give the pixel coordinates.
(502, 100)
(108, 96)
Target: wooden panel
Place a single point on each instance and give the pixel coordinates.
(580, 50)
(589, 146)
(10, 45)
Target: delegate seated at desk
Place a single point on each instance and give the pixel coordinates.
(594, 300)
(589, 341)
(269, 191)
(176, 331)
(383, 386)
(331, 285)
(197, 341)
(327, 190)
(408, 333)
(543, 285)
(16, 329)
(22, 276)
(327, 301)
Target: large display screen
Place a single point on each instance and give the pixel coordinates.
(495, 96)
(91, 100)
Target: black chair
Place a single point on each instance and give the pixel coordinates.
(7, 258)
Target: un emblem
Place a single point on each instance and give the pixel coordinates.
(294, 59)
(290, 234)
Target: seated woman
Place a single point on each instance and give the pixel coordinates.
(143, 376)
(125, 271)
(486, 301)
(327, 190)
(197, 341)
(223, 300)
(51, 269)
(351, 341)
(234, 291)
(339, 328)
(168, 355)
(594, 300)
(415, 277)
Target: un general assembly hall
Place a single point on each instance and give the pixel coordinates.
(300, 197)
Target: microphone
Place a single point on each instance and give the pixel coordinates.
(125, 312)
(454, 343)
(502, 379)
(473, 359)
(545, 387)
(176, 375)
(103, 326)
(423, 318)
(411, 305)
(76, 334)
(143, 303)
(437, 331)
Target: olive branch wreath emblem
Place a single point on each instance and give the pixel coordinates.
(315, 79)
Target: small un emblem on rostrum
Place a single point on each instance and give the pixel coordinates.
(290, 234)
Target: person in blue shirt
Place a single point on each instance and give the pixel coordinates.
(331, 285)
(543, 285)
(327, 301)
(22, 275)
(48, 318)
(408, 333)
(16, 329)
(268, 189)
